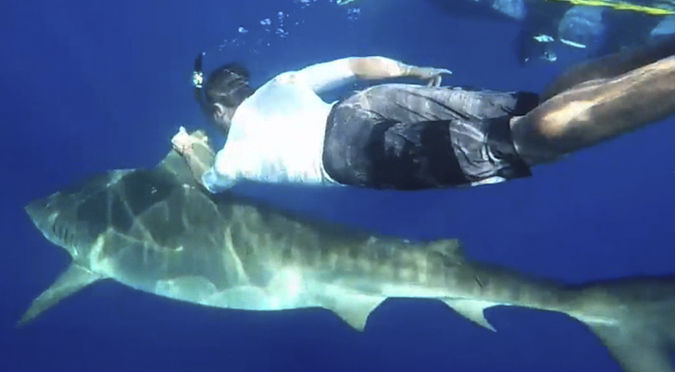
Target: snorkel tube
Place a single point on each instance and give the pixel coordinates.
(198, 84)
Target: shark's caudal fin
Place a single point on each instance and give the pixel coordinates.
(71, 281)
(634, 318)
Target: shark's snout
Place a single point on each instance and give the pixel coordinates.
(49, 216)
(36, 210)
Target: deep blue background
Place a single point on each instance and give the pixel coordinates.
(90, 86)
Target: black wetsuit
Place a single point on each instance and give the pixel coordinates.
(409, 137)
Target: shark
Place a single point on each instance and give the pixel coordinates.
(157, 231)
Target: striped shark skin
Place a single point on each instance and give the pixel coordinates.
(157, 231)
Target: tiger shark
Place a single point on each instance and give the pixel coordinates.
(157, 231)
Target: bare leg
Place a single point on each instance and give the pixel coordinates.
(594, 111)
(609, 66)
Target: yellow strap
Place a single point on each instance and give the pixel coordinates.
(621, 6)
(651, 10)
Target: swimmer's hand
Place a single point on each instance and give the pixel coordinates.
(196, 151)
(431, 75)
(182, 141)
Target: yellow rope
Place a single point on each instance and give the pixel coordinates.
(622, 6)
(651, 10)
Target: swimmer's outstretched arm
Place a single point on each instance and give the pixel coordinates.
(328, 75)
(374, 68)
(596, 110)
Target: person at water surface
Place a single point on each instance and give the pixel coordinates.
(410, 136)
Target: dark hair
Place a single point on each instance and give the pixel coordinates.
(227, 85)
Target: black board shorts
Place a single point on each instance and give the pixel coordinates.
(409, 137)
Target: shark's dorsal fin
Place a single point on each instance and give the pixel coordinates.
(72, 280)
(175, 165)
(449, 248)
(472, 310)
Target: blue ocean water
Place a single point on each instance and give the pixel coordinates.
(91, 86)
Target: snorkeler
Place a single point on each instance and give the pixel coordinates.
(547, 27)
(408, 136)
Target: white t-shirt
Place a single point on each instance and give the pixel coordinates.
(277, 134)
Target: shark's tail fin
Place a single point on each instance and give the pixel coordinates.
(634, 318)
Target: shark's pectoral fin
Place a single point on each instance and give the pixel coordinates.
(71, 281)
(472, 310)
(354, 308)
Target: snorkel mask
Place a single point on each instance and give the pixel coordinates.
(197, 72)
(198, 84)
